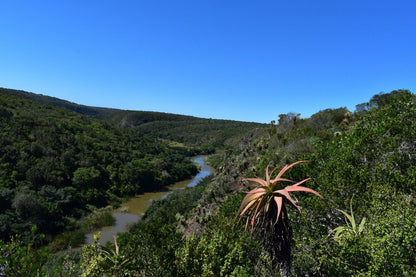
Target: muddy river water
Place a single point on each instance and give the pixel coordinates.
(130, 211)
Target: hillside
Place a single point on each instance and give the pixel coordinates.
(208, 134)
(57, 161)
(205, 133)
(362, 163)
(48, 100)
(56, 164)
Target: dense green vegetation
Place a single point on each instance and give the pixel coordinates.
(362, 163)
(52, 101)
(207, 134)
(56, 165)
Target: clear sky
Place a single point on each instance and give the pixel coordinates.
(242, 60)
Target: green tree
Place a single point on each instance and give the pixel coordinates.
(28, 208)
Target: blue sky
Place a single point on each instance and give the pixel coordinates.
(240, 60)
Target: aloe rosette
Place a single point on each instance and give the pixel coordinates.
(351, 229)
(267, 192)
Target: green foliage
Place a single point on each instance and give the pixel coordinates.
(385, 248)
(22, 259)
(374, 162)
(204, 134)
(55, 162)
(369, 155)
(221, 251)
(379, 150)
(392, 243)
(349, 230)
(152, 242)
(98, 260)
(384, 99)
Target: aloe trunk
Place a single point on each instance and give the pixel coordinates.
(276, 238)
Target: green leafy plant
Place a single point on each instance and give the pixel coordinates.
(265, 208)
(99, 260)
(18, 258)
(351, 229)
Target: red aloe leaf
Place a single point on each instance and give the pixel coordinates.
(279, 203)
(248, 206)
(245, 209)
(276, 180)
(301, 182)
(249, 217)
(267, 174)
(251, 196)
(247, 221)
(286, 168)
(266, 207)
(257, 180)
(256, 214)
(285, 193)
(252, 222)
(300, 188)
(274, 169)
(254, 192)
(249, 200)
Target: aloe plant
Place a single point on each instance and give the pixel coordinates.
(265, 208)
(99, 260)
(351, 228)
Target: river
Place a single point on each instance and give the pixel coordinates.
(129, 212)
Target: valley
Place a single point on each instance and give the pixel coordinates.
(62, 172)
(130, 211)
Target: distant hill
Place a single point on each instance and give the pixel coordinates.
(180, 128)
(186, 129)
(85, 110)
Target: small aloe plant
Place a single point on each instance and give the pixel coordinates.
(351, 229)
(268, 192)
(99, 260)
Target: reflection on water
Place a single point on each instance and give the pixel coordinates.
(136, 206)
